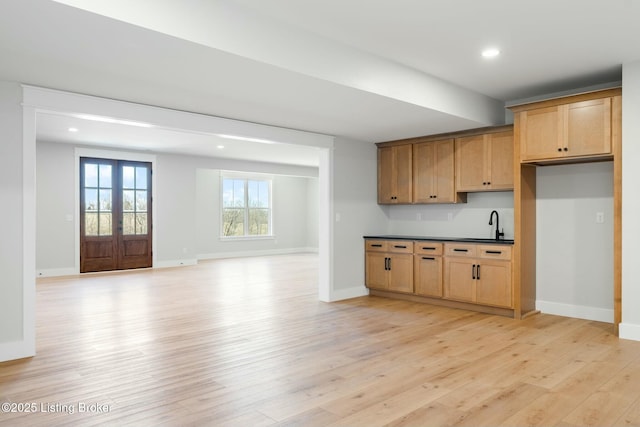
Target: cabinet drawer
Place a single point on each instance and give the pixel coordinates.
(427, 248)
(376, 245)
(460, 249)
(494, 252)
(401, 247)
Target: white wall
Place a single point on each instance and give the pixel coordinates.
(356, 213)
(11, 218)
(177, 209)
(173, 202)
(293, 218)
(55, 209)
(313, 210)
(630, 326)
(469, 219)
(574, 264)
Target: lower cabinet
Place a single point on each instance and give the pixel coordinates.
(479, 274)
(427, 267)
(458, 272)
(389, 265)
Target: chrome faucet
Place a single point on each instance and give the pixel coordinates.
(498, 232)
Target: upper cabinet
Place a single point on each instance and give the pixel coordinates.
(395, 177)
(569, 129)
(484, 162)
(433, 172)
(443, 168)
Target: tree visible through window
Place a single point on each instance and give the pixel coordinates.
(246, 207)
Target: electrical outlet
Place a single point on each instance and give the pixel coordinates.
(418, 216)
(599, 217)
(450, 216)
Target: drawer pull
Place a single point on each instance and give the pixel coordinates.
(428, 248)
(428, 258)
(376, 246)
(400, 246)
(494, 252)
(460, 250)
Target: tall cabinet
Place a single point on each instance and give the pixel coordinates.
(580, 128)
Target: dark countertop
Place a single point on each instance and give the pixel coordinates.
(442, 239)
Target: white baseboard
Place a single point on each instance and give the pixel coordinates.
(629, 331)
(55, 272)
(355, 292)
(175, 263)
(266, 252)
(577, 311)
(16, 350)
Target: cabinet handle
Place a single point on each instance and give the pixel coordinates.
(428, 248)
(386, 266)
(400, 246)
(478, 272)
(473, 272)
(566, 149)
(460, 250)
(389, 263)
(376, 246)
(429, 258)
(559, 149)
(494, 252)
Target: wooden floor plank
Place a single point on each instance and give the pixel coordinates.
(242, 342)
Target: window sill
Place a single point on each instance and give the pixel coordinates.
(242, 238)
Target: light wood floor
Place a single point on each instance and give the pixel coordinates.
(245, 342)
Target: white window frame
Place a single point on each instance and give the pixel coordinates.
(246, 177)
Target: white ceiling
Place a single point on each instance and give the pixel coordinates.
(370, 70)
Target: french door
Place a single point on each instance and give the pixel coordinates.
(115, 215)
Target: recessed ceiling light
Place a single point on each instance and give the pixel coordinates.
(73, 129)
(220, 147)
(490, 53)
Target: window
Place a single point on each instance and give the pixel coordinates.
(246, 207)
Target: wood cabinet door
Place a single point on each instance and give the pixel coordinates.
(494, 284)
(500, 161)
(424, 163)
(400, 272)
(404, 173)
(470, 163)
(541, 133)
(459, 279)
(376, 274)
(386, 178)
(588, 129)
(444, 177)
(395, 177)
(428, 275)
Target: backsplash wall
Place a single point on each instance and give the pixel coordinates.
(469, 219)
